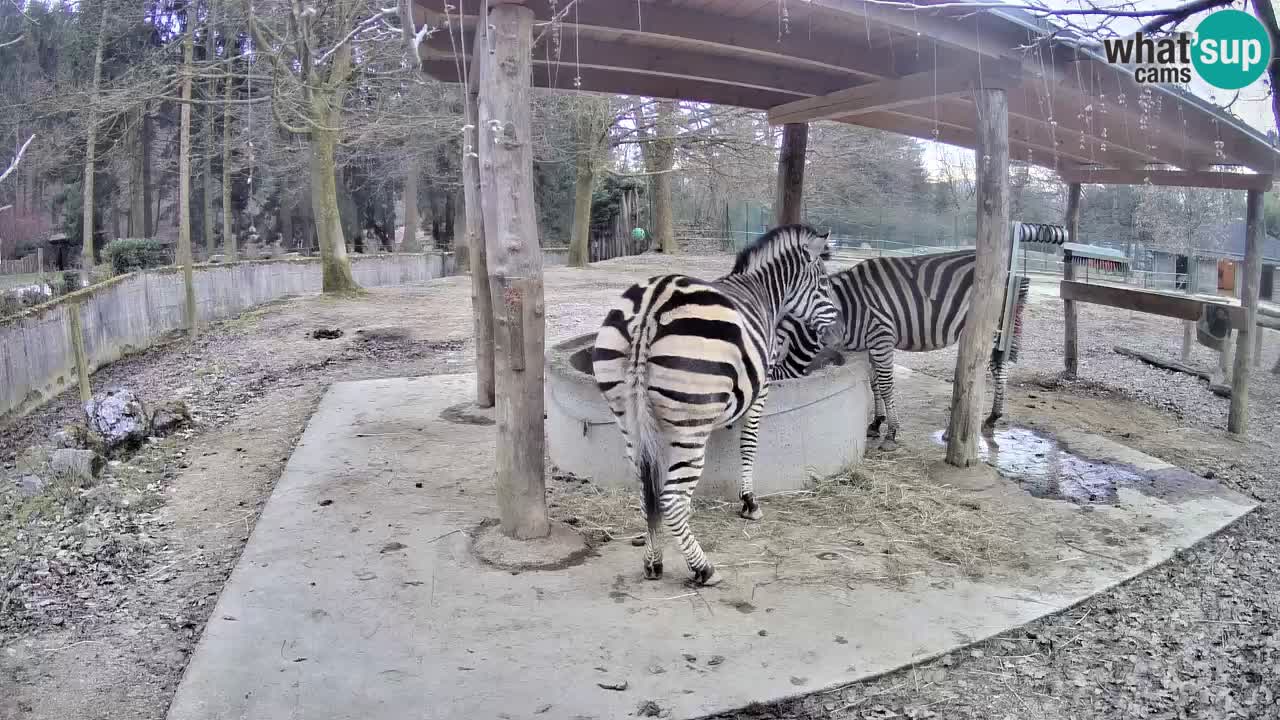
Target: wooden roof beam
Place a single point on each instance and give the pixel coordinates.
(1168, 178)
(959, 33)
(622, 82)
(962, 135)
(697, 30)
(676, 63)
(896, 92)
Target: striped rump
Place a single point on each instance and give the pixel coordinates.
(678, 357)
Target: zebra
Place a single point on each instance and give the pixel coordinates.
(912, 304)
(678, 357)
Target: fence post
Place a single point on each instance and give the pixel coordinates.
(78, 353)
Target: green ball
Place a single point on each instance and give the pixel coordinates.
(637, 234)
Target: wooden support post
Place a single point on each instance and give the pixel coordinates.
(481, 298)
(1238, 416)
(1257, 347)
(79, 356)
(1225, 360)
(1070, 346)
(991, 155)
(790, 196)
(515, 267)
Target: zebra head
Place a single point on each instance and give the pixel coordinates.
(809, 300)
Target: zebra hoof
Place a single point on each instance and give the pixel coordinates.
(707, 577)
(989, 424)
(653, 572)
(750, 510)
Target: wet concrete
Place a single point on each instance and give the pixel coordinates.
(1048, 468)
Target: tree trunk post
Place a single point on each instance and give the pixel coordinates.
(1257, 347)
(409, 243)
(1238, 416)
(78, 355)
(664, 150)
(184, 188)
(228, 224)
(148, 218)
(790, 195)
(87, 196)
(515, 268)
(991, 164)
(1070, 344)
(334, 262)
(477, 251)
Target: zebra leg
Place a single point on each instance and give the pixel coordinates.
(1000, 378)
(653, 553)
(687, 457)
(882, 366)
(873, 430)
(750, 435)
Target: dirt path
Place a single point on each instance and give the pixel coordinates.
(107, 599)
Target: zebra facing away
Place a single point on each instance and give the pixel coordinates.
(677, 358)
(913, 304)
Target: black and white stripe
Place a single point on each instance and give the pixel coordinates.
(913, 304)
(678, 357)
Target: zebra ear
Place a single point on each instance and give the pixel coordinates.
(816, 244)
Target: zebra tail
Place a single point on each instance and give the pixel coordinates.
(642, 425)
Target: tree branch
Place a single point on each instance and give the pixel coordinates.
(1267, 14)
(1182, 12)
(17, 158)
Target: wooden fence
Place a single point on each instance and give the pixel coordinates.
(615, 240)
(21, 266)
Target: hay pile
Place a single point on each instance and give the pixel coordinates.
(885, 521)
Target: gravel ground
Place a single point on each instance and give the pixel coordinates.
(105, 591)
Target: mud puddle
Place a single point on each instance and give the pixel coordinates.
(1045, 468)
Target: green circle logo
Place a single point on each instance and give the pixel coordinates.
(1232, 49)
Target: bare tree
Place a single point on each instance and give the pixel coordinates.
(313, 64)
(591, 118)
(17, 159)
(86, 251)
(184, 181)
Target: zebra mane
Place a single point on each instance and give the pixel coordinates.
(772, 244)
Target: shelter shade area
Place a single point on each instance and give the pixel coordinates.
(1002, 82)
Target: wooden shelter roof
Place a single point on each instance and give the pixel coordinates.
(905, 71)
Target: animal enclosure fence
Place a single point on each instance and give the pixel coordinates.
(26, 265)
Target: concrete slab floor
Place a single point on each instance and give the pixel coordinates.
(358, 597)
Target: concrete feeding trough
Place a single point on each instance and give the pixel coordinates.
(812, 427)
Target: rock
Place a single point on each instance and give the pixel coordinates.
(119, 416)
(78, 437)
(30, 485)
(83, 466)
(168, 416)
(106, 497)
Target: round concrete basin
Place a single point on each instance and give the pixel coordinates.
(812, 426)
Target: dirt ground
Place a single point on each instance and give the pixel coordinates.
(104, 593)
